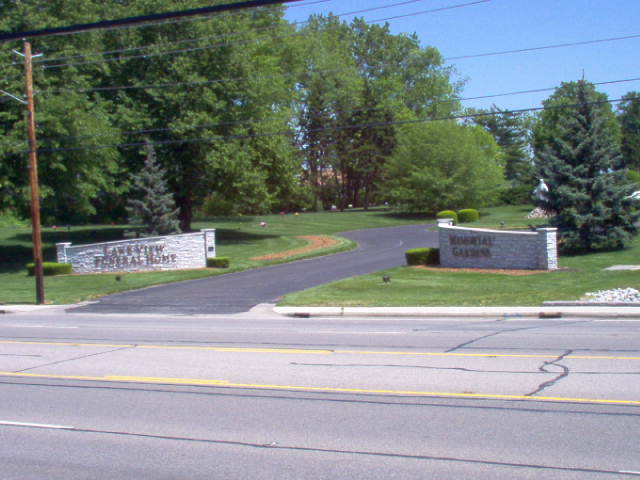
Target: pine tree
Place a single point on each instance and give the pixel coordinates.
(155, 210)
(629, 118)
(585, 189)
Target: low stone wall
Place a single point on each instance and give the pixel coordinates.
(173, 252)
(481, 248)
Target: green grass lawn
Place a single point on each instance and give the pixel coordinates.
(240, 238)
(410, 286)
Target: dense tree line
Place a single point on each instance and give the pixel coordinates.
(248, 113)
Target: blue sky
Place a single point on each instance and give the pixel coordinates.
(498, 25)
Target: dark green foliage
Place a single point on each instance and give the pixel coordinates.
(448, 214)
(511, 132)
(155, 209)
(211, 94)
(517, 195)
(579, 164)
(218, 262)
(423, 256)
(50, 268)
(467, 215)
(629, 118)
(354, 76)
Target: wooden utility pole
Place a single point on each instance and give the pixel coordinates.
(33, 176)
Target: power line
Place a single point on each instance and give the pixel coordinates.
(237, 79)
(139, 19)
(460, 57)
(254, 122)
(171, 22)
(320, 129)
(447, 59)
(44, 64)
(429, 11)
(545, 47)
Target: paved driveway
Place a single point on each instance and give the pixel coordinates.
(378, 249)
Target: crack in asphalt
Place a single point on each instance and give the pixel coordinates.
(275, 445)
(465, 344)
(73, 359)
(459, 369)
(521, 329)
(543, 369)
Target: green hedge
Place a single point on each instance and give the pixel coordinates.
(468, 215)
(423, 256)
(218, 262)
(448, 214)
(50, 268)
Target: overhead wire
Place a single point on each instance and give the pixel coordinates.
(357, 110)
(561, 45)
(379, 20)
(446, 59)
(140, 19)
(44, 63)
(319, 129)
(334, 70)
(545, 47)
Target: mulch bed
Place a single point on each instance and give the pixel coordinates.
(516, 273)
(314, 242)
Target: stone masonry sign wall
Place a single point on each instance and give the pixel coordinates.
(481, 248)
(173, 252)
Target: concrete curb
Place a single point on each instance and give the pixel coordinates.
(463, 312)
(36, 308)
(549, 312)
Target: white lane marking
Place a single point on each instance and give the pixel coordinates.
(629, 472)
(36, 326)
(343, 332)
(617, 320)
(35, 425)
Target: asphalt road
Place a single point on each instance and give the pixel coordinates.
(154, 397)
(378, 249)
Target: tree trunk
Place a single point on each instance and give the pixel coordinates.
(186, 212)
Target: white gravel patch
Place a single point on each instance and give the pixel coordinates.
(617, 295)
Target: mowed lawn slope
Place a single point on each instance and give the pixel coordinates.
(411, 286)
(243, 239)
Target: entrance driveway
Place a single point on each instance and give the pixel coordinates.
(378, 249)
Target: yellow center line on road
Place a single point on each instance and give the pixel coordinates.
(484, 355)
(302, 351)
(369, 391)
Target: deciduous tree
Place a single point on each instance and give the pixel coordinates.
(443, 165)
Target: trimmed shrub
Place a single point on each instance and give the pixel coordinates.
(468, 215)
(218, 262)
(423, 256)
(50, 268)
(448, 214)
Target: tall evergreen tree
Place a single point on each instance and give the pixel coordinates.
(585, 189)
(155, 210)
(629, 118)
(511, 133)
